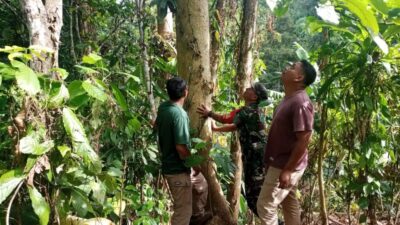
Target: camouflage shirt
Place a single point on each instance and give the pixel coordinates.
(250, 122)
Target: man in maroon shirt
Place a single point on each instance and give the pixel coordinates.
(286, 154)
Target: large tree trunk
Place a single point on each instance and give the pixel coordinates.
(193, 45)
(146, 69)
(44, 21)
(248, 33)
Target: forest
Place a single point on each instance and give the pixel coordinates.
(81, 81)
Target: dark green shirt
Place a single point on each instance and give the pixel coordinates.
(173, 128)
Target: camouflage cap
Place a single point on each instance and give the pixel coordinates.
(260, 91)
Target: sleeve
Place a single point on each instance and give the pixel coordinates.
(181, 130)
(229, 118)
(237, 120)
(303, 117)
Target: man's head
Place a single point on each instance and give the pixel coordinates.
(301, 73)
(176, 88)
(255, 93)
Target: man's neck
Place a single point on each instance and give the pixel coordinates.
(291, 90)
(179, 102)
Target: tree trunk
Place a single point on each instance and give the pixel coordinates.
(234, 187)
(193, 45)
(322, 148)
(146, 69)
(165, 26)
(248, 33)
(87, 30)
(44, 22)
(216, 34)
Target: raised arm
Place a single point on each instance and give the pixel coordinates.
(206, 112)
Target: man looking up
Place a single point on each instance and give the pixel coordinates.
(286, 154)
(250, 122)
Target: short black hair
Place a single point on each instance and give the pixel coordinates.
(176, 88)
(309, 72)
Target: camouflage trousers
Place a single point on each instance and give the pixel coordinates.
(253, 184)
(253, 171)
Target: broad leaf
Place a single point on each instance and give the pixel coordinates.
(381, 44)
(75, 88)
(61, 72)
(30, 144)
(120, 98)
(361, 9)
(380, 5)
(61, 96)
(80, 143)
(194, 160)
(94, 91)
(26, 78)
(92, 58)
(8, 182)
(39, 205)
(301, 52)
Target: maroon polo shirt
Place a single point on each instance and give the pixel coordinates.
(295, 113)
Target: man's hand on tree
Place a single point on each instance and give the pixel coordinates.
(204, 111)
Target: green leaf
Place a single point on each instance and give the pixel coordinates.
(92, 58)
(75, 88)
(194, 160)
(30, 145)
(26, 78)
(380, 5)
(63, 150)
(86, 70)
(39, 205)
(381, 43)
(94, 91)
(133, 125)
(119, 97)
(301, 52)
(8, 182)
(62, 72)
(80, 143)
(99, 191)
(61, 96)
(361, 9)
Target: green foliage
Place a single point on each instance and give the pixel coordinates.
(39, 205)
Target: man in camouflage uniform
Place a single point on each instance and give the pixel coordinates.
(250, 123)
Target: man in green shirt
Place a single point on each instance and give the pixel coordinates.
(174, 142)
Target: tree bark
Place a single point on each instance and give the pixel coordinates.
(246, 44)
(216, 34)
(234, 187)
(165, 26)
(44, 22)
(193, 45)
(322, 148)
(140, 4)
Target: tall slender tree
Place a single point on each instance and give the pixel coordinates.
(140, 4)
